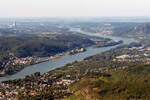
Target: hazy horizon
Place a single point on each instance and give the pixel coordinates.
(73, 8)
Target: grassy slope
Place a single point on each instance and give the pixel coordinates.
(129, 84)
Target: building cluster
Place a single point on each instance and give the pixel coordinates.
(65, 82)
(37, 84)
(19, 61)
(104, 70)
(142, 56)
(74, 51)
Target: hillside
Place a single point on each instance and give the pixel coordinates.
(129, 84)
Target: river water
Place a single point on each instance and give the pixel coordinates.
(53, 64)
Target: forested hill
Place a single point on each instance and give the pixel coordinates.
(27, 48)
(24, 46)
(130, 84)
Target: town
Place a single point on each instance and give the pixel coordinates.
(56, 83)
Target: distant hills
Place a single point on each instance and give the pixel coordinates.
(131, 29)
(143, 28)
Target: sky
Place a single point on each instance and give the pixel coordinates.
(73, 8)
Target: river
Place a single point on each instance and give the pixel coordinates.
(53, 64)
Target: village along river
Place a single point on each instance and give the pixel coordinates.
(53, 64)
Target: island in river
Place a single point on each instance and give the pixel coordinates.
(20, 51)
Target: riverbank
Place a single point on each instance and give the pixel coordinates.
(53, 64)
(15, 64)
(28, 61)
(24, 62)
(67, 75)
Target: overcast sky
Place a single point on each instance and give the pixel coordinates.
(64, 8)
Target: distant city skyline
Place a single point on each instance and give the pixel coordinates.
(73, 8)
